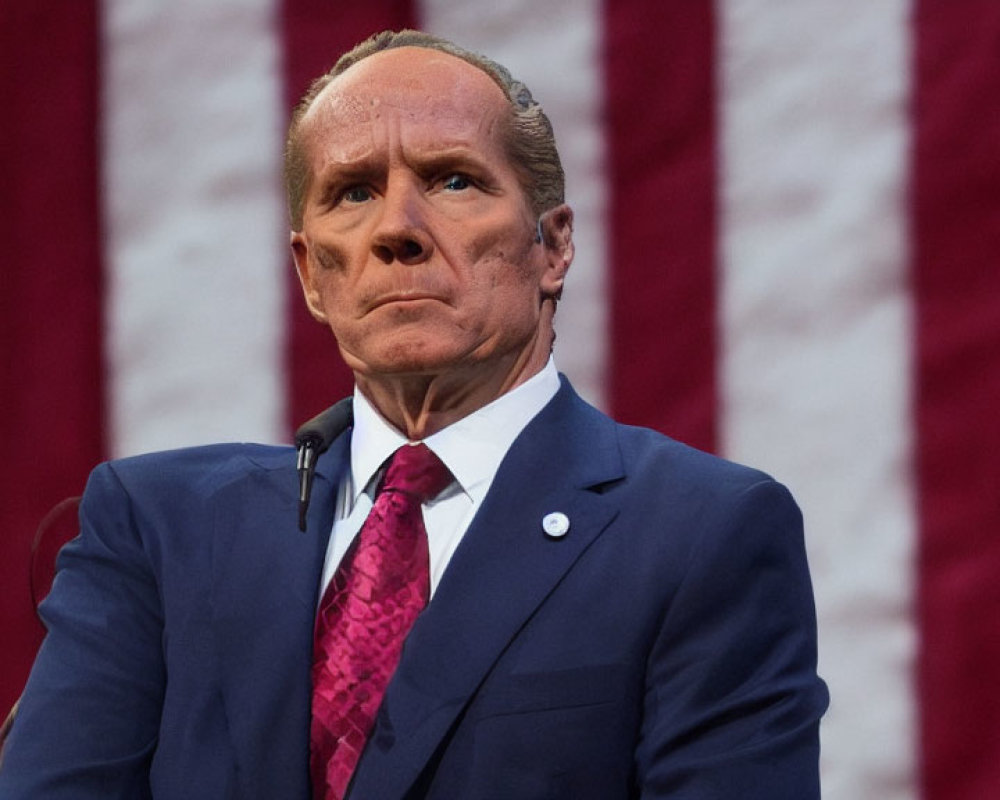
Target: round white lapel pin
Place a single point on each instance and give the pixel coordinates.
(555, 524)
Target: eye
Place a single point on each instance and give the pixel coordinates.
(356, 194)
(456, 182)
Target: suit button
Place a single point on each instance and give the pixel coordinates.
(555, 524)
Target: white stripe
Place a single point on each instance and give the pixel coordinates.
(817, 330)
(554, 48)
(195, 235)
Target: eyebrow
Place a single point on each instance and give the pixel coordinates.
(457, 159)
(339, 174)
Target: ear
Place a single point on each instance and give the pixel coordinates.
(305, 267)
(557, 239)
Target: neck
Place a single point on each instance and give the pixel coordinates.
(421, 405)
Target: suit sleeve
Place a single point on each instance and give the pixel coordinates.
(88, 720)
(732, 700)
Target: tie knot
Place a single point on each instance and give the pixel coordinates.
(416, 470)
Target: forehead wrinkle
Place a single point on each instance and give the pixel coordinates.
(420, 65)
(341, 135)
(426, 80)
(369, 137)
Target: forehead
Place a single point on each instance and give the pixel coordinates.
(414, 92)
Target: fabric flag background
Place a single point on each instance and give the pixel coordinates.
(788, 235)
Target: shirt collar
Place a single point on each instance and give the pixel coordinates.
(472, 448)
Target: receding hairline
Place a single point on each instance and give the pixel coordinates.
(504, 103)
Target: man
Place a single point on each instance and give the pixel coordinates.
(611, 614)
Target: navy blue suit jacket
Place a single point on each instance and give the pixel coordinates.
(663, 648)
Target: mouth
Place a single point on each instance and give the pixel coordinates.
(403, 298)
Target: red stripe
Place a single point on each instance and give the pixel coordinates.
(957, 280)
(660, 100)
(316, 32)
(50, 303)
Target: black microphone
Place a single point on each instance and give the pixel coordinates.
(312, 440)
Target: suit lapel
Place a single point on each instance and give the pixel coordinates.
(265, 582)
(554, 466)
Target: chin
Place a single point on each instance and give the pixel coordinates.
(409, 358)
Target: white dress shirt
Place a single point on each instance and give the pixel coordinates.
(472, 449)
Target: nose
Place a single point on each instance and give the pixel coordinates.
(401, 230)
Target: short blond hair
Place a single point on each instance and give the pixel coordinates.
(529, 140)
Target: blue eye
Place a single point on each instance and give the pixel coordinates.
(457, 182)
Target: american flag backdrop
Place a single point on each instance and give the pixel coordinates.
(788, 252)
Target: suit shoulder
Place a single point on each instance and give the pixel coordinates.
(645, 457)
(648, 451)
(195, 468)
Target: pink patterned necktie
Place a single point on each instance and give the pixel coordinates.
(381, 585)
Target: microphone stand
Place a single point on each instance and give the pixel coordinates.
(312, 440)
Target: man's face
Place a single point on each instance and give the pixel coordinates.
(417, 244)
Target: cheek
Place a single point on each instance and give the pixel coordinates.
(501, 255)
(506, 293)
(329, 260)
(332, 276)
